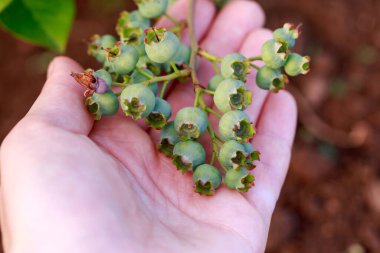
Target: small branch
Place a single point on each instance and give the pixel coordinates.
(181, 73)
(119, 84)
(256, 58)
(163, 89)
(208, 109)
(214, 143)
(209, 56)
(174, 67)
(209, 92)
(254, 66)
(173, 20)
(193, 43)
(142, 72)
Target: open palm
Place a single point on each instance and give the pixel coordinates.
(72, 185)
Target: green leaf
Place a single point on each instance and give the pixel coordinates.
(43, 22)
(4, 4)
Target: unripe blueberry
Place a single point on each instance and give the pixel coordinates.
(98, 44)
(253, 155)
(102, 104)
(235, 66)
(274, 53)
(287, 34)
(138, 77)
(236, 125)
(160, 114)
(232, 154)
(296, 65)
(146, 63)
(132, 19)
(103, 74)
(125, 61)
(181, 57)
(152, 8)
(190, 122)
(232, 94)
(214, 82)
(207, 179)
(168, 138)
(270, 79)
(187, 155)
(160, 45)
(137, 101)
(239, 180)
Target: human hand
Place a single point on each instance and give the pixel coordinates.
(70, 184)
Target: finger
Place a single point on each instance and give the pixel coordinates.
(226, 35)
(274, 139)
(204, 9)
(61, 101)
(250, 48)
(179, 10)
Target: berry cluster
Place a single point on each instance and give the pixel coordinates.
(138, 67)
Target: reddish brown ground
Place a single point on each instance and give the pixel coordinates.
(331, 198)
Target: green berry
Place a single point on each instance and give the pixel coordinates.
(287, 34)
(181, 57)
(232, 94)
(103, 74)
(233, 154)
(152, 8)
(102, 104)
(296, 65)
(137, 101)
(239, 180)
(207, 179)
(235, 66)
(161, 45)
(132, 19)
(270, 79)
(125, 61)
(160, 114)
(168, 138)
(214, 82)
(274, 53)
(146, 63)
(236, 125)
(190, 122)
(98, 44)
(187, 155)
(141, 75)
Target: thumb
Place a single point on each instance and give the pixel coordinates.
(61, 102)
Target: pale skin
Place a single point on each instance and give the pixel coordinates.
(69, 184)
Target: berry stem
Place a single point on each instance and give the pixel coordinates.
(180, 73)
(209, 92)
(256, 58)
(173, 20)
(214, 143)
(220, 139)
(119, 84)
(208, 109)
(163, 89)
(254, 66)
(198, 97)
(144, 73)
(208, 56)
(193, 43)
(174, 67)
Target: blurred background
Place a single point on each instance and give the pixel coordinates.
(331, 198)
